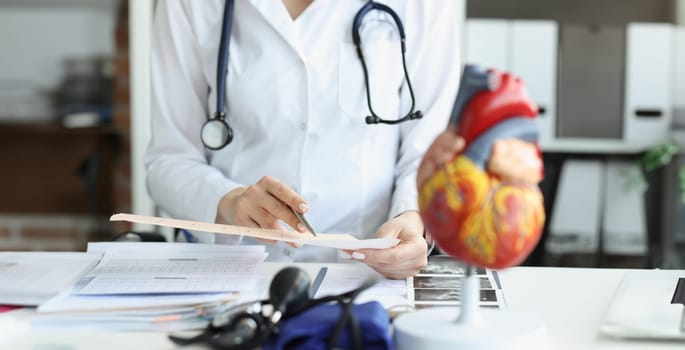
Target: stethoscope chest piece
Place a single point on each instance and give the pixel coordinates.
(216, 134)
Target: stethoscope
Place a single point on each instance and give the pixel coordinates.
(216, 133)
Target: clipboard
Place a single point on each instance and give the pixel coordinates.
(330, 240)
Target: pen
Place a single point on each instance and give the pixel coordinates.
(304, 221)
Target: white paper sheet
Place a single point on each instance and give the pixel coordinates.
(163, 319)
(68, 302)
(177, 272)
(168, 247)
(331, 240)
(29, 278)
(341, 278)
(641, 307)
(123, 265)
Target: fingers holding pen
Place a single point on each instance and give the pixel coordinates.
(262, 204)
(281, 200)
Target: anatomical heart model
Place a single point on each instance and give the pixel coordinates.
(480, 201)
(482, 205)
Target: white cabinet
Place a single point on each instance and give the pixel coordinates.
(526, 48)
(649, 83)
(534, 59)
(679, 66)
(649, 76)
(487, 43)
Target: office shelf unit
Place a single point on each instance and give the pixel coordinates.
(60, 184)
(607, 75)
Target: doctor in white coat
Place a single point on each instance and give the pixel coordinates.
(296, 101)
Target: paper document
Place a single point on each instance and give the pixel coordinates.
(143, 248)
(331, 240)
(150, 275)
(341, 278)
(68, 302)
(168, 272)
(29, 278)
(163, 319)
(439, 285)
(642, 307)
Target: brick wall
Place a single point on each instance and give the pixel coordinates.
(47, 232)
(122, 119)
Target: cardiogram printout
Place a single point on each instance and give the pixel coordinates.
(168, 272)
(331, 240)
(122, 278)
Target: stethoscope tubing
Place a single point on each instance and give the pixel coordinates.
(219, 117)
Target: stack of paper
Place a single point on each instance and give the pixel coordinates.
(29, 279)
(165, 286)
(199, 269)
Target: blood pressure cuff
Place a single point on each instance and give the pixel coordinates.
(314, 328)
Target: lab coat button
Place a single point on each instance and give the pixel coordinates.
(303, 126)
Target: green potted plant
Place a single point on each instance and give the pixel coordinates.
(656, 157)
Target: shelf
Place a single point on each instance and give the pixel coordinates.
(54, 170)
(594, 146)
(53, 128)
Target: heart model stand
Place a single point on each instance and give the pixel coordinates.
(468, 327)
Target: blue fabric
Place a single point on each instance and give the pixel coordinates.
(311, 329)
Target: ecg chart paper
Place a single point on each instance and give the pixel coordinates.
(160, 271)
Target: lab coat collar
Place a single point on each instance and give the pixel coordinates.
(276, 14)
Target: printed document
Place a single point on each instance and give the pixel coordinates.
(28, 278)
(149, 275)
(177, 273)
(330, 240)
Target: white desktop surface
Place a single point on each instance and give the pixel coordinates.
(572, 302)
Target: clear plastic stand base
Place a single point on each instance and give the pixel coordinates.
(473, 329)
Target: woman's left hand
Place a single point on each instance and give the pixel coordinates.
(406, 258)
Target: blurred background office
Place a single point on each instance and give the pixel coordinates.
(608, 76)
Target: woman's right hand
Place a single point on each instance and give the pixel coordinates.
(262, 204)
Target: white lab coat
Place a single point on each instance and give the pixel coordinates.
(296, 102)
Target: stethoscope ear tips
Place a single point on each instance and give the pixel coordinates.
(416, 115)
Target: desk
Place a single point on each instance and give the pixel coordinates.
(572, 303)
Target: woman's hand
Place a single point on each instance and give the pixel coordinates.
(406, 258)
(262, 205)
